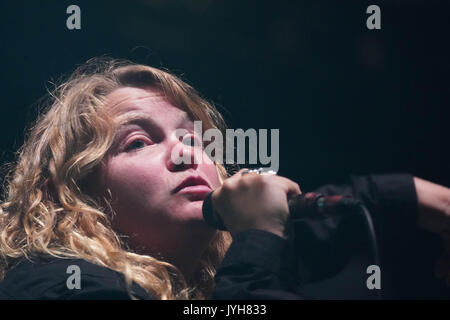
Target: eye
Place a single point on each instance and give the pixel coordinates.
(136, 144)
(191, 141)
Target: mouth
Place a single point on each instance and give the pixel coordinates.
(195, 186)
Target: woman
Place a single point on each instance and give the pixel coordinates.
(95, 186)
(97, 167)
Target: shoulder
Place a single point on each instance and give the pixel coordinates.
(55, 278)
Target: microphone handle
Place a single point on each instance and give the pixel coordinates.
(308, 205)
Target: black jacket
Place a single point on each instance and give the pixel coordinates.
(261, 265)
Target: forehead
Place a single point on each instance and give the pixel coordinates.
(128, 103)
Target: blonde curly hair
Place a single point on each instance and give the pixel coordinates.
(46, 207)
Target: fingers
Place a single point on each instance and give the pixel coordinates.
(290, 187)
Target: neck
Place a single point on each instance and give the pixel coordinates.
(183, 248)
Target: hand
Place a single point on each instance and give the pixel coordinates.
(434, 216)
(254, 201)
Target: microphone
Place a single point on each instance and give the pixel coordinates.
(308, 205)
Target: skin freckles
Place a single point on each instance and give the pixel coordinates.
(142, 177)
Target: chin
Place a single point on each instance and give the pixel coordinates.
(191, 210)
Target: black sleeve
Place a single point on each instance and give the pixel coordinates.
(407, 252)
(46, 278)
(256, 266)
(107, 288)
(390, 198)
(392, 202)
(261, 265)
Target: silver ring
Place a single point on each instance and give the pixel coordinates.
(262, 171)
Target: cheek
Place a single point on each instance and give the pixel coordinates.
(208, 168)
(133, 184)
(211, 173)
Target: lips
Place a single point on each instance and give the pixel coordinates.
(193, 184)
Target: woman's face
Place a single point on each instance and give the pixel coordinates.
(143, 178)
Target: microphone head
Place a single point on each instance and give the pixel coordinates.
(210, 215)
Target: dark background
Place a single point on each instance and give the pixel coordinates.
(347, 100)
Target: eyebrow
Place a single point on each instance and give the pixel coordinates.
(142, 118)
(133, 118)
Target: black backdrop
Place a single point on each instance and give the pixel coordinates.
(346, 99)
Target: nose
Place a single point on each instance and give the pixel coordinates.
(182, 156)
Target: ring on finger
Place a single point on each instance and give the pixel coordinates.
(261, 171)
